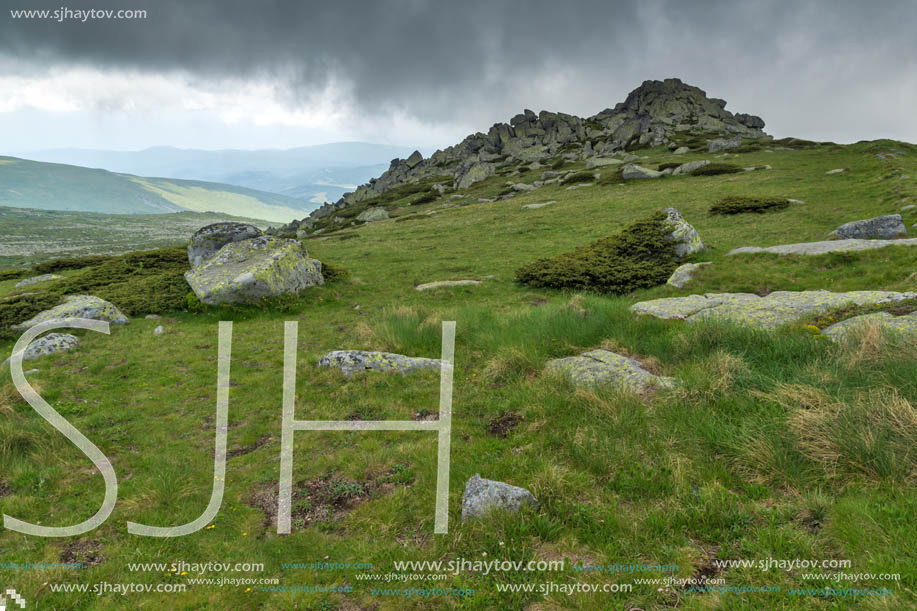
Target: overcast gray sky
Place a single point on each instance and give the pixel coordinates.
(283, 73)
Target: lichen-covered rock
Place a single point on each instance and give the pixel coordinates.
(687, 168)
(632, 170)
(51, 343)
(600, 367)
(598, 162)
(37, 279)
(681, 150)
(208, 240)
(777, 308)
(484, 495)
(372, 215)
(885, 227)
(475, 173)
(723, 144)
(353, 361)
(820, 248)
(250, 270)
(884, 320)
(445, 283)
(685, 237)
(78, 306)
(682, 274)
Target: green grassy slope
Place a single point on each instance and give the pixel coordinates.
(779, 445)
(53, 186)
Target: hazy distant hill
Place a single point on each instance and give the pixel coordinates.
(52, 186)
(311, 173)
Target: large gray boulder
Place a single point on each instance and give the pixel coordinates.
(475, 173)
(484, 495)
(353, 361)
(773, 310)
(372, 215)
(51, 343)
(686, 239)
(687, 168)
(632, 170)
(78, 306)
(602, 367)
(250, 270)
(206, 241)
(723, 144)
(885, 227)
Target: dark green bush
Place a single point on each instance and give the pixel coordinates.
(611, 178)
(12, 274)
(578, 177)
(714, 169)
(640, 256)
(738, 204)
(19, 308)
(557, 163)
(430, 196)
(57, 265)
(746, 148)
(334, 273)
(666, 166)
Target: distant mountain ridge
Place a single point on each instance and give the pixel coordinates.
(51, 186)
(656, 113)
(314, 174)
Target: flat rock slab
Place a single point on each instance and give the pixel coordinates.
(445, 283)
(37, 279)
(78, 306)
(820, 248)
(353, 361)
(484, 495)
(539, 205)
(778, 308)
(683, 273)
(51, 343)
(884, 320)
(599, 367)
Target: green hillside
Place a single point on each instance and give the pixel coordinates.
(776, 444)
(53, 186)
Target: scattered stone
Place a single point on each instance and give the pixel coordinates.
(521, 186)
(773, 310)
(885, 227)
(687, 168)
(757, 167)
(598, 162)
(884, 320)
(371, 215)
(37, 279)
(444, 283)
(152, 316)
(908, 207)
(159, 330)
(353, 361)
(682, 274)
(836, 171)
(248, 271)
(51, 343)
(820, 248)
(681, 150)
(631, 171)
(539, 205)
(722, 144)
(798, 202)
(456, 196)
(207, 241)
(78, 306)
(599, 367)
(581, 185)
(686, 239)
(551, 174)
(483, 200)
(484, 495)
(440, 189)
(30, 372)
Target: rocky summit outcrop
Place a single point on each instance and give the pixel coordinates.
(667, 112)
(250, 270)
(353, 361)
(885, 227)
(207, 241)
(484, 495)
(51, 343)
(603, 367)
(78, 306)
(777, 308)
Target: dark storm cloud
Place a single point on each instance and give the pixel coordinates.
(442, 60)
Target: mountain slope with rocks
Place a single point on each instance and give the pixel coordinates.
(669, 113)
